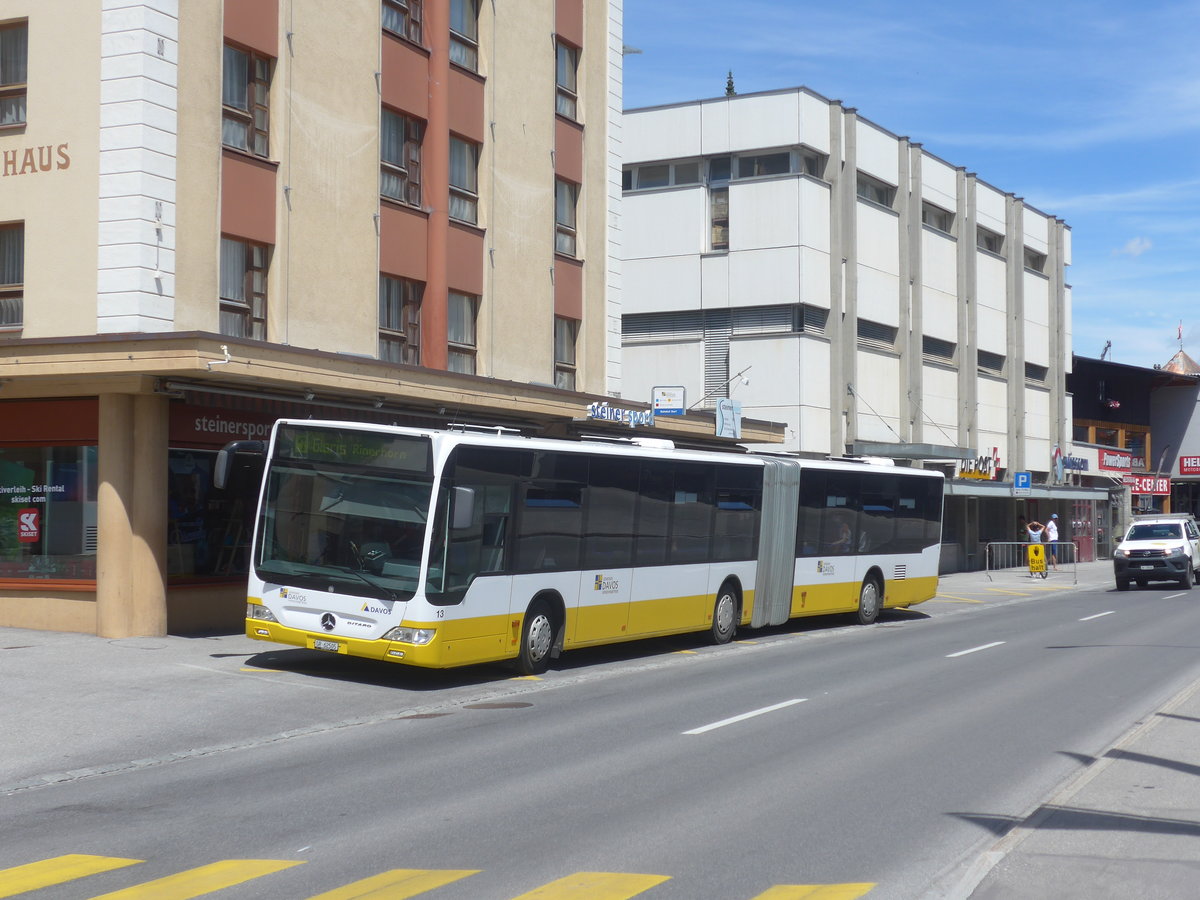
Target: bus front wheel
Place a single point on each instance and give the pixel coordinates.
(724, 619)
(537, 638)
(870, 598)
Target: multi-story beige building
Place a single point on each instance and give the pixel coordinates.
(216, 214)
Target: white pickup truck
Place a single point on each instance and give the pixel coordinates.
(1158, 548)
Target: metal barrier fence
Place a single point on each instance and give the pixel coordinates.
(1013, 557)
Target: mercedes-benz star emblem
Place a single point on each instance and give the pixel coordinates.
(328, 621)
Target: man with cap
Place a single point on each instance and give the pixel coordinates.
(1052, 539)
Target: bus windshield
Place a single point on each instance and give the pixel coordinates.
(361, 527)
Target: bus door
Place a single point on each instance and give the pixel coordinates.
(676, 508)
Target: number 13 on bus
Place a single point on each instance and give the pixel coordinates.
(449, 548)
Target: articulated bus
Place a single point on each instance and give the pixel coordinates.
(448, 548)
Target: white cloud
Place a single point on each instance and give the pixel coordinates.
(1134, 247)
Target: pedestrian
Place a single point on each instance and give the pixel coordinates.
(1034, 532)
(1052, 540)
(1022, 529)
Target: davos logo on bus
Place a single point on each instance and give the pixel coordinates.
(378, 610)
(606, 584)
(292, 594)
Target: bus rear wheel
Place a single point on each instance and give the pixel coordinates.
(537, 639)
(870, 598)
(724, 619)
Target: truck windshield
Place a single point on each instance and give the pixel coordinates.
(365, 529)
(1161, 531)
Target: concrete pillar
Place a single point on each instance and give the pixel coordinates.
(435, 158)
(132, 516)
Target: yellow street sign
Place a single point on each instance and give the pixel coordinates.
(1037, 559)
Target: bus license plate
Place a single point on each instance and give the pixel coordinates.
(319, 644)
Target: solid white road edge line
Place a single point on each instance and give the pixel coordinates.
(1097, 616)
(974, 649)
(744, 716)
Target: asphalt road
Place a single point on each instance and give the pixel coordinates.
(876, 760)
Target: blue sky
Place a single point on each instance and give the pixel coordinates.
(1088, 109)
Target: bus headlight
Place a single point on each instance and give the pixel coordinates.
(405, 635)
(260, 612)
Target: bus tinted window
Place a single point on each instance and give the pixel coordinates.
(739, 503)
(550, 527)
(611, 503)
(693, 504)
(871, 512)
(653, 512)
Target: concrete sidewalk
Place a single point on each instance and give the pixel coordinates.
(1128, 825)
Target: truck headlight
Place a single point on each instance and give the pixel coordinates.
(406, 635)
(260, 612)
(1120, 553)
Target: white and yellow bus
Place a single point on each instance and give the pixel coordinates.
(448, 548)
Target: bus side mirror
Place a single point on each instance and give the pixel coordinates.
(224, 464)
(463, 510)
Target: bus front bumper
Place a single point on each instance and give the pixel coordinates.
(387, 651)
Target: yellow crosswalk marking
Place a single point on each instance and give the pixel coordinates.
(398, 884)
(203, 880)
(57, 870)
(815, 892)
(595, 886)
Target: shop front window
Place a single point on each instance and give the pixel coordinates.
(208, 530)
(48, 513)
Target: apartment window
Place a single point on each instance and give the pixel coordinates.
(403, 18)
(460, 332)
(243, 288)
(765, 164)
(687, 172)
(1034, 372)
(655, 176)
(990, 363)
(464, 33)
(658, 175)
(566, 195)
(12, 275)
(937, 218)
(400, 319)
(1034, 261)
(937, 350)
(718, 205)
(876, 191)
(245, 94)
(812, 162)
(876, 335)
(464, 185)
(566, 68)
(988, 240)
(565, 331)
(400, 157)
(14, 65)
(720, 169)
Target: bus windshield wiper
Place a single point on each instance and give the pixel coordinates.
(385, 592)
